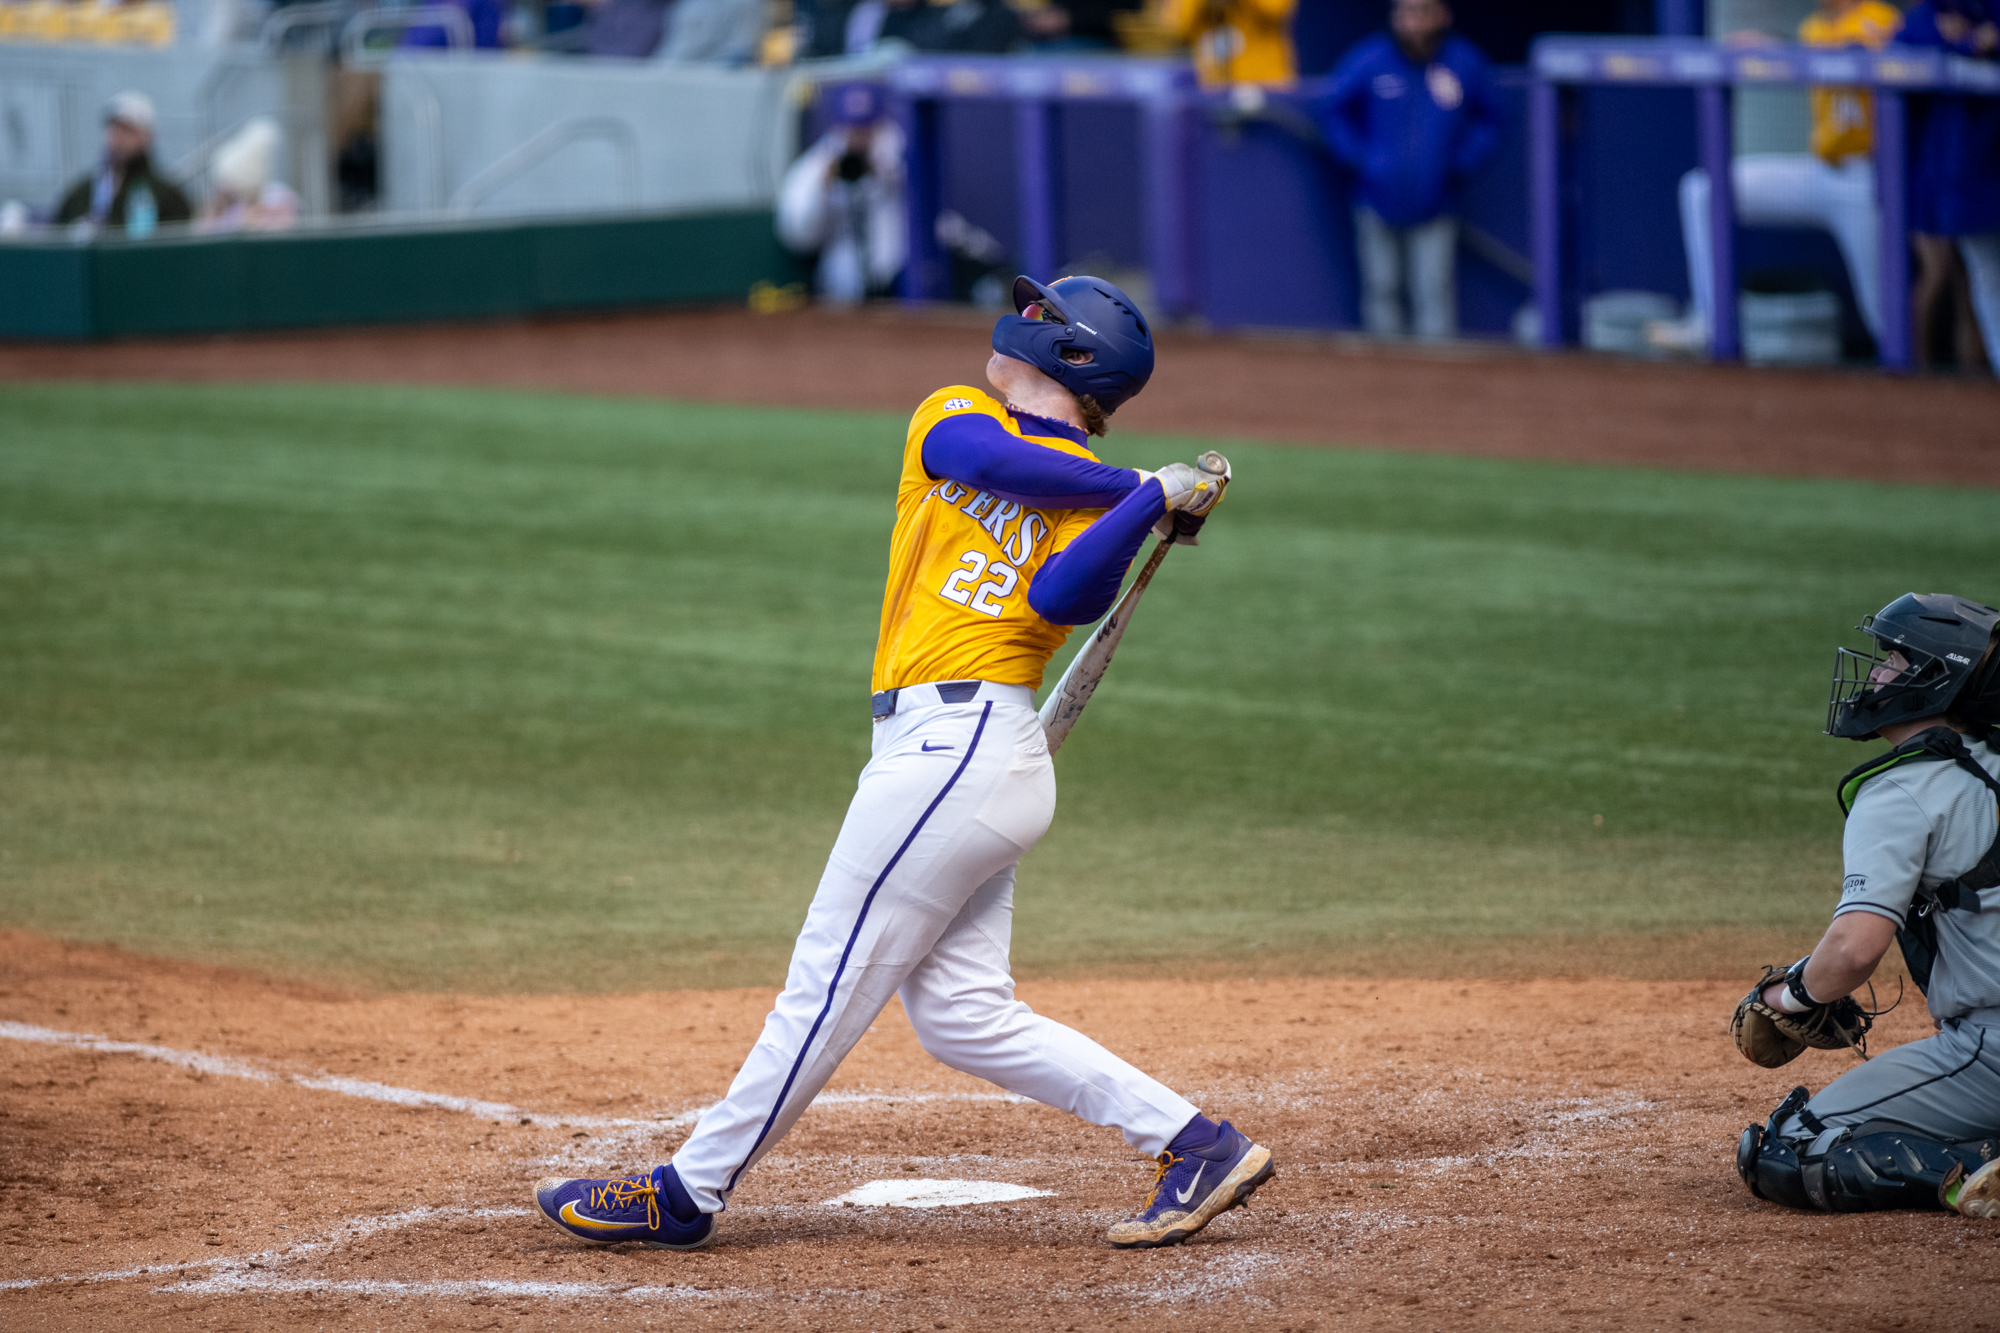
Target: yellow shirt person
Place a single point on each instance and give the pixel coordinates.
(1237, 41)
(1843, 118)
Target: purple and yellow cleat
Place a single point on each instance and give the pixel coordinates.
(1194, 1189)
(646, 1209)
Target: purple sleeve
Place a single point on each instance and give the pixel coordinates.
(1080, 582)
(973, 448)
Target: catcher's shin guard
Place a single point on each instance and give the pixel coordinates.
(1878, 1166)
(1770, 1167)
(1861, 1170)
(1766, 1160)
(1795, 1160)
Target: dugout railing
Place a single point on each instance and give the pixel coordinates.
(1714, 72)
(1036, 91)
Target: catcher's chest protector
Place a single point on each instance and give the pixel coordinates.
(1918, 933)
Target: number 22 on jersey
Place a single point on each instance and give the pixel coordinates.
(959, 587)
(1016, 533)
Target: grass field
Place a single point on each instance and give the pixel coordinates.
(430, 688)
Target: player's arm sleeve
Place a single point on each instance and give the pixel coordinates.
(974, 448)
(1883, 848)
(1079, 583)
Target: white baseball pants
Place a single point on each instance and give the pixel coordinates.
(918, 898)
(1792, 190)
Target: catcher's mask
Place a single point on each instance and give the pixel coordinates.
(1933, 655)
(1079, 315)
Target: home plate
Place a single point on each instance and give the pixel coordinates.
(935, 1193)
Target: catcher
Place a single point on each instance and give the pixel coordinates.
(1919, 1126)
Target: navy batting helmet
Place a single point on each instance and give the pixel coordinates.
(1079, 315)
(1945, 645)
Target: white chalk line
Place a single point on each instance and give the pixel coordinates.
(270, 1284)
(350, 1229)
(229, 1067)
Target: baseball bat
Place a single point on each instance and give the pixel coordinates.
(1065, 702)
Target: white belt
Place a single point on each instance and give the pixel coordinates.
(885, 703)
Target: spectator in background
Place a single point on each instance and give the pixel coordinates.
(1411, 113)
(990, 26)
(246, 197)
(1955, 162)
(124, 191)
(1075, 25)
(630, 28)
(1831, 188)
(717, 32)
(842, 200)
(488, 19)
(820, 27)
(1237, 41)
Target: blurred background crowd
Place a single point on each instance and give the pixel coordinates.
(289, 113)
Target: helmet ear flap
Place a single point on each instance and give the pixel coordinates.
(1978, 703)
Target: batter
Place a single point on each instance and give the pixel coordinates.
(1008, 532)
(1918, 1126)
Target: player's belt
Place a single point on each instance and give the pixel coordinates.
(884, 703)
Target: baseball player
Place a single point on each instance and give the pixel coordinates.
(1008, 532)
(1918, 1126)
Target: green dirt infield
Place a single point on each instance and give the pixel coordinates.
(489, 691)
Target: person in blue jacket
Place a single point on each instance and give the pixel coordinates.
(1411, 113)
(1955, 157)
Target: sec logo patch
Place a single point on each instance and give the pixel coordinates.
(957, 404)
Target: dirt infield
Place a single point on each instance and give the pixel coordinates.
(1470, 400)
(1485, 1155)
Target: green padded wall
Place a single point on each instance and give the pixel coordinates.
(45, 291)
(382, 275)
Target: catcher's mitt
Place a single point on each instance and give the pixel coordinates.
(1771, 1037)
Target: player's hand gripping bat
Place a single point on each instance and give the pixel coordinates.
(1066, 701)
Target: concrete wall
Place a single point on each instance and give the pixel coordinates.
(52, 101)
(703, 137)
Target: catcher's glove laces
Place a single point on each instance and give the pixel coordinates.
(1770, 1037)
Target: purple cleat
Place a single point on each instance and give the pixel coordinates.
(1194, 1189)
(640, 1208)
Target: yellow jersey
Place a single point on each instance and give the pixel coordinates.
(961, 560)
(1237, 41)
(1843, 119)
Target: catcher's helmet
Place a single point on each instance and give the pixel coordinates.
(1080, 315)
(1946, 645)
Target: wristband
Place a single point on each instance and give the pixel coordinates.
(1795, 989)
(1787, 1002)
